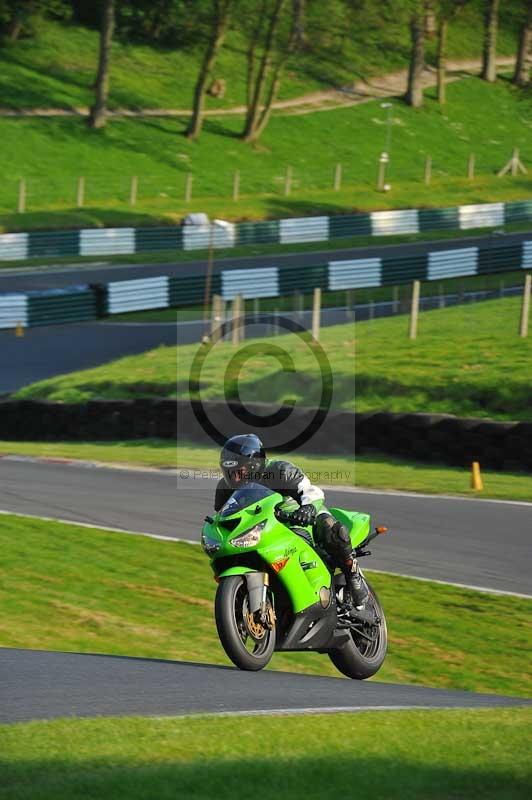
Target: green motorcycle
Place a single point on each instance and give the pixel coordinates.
(277, 590)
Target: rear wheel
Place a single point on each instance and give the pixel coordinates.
(247, 641)
(364, 653)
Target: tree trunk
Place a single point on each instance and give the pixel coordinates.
(252, 117)
(300, 32)
(524, 54)
(15, 27)
(221, 16)
(414, 93)
(489, 57)
(98, 112)
(442, 58)
(250, 54)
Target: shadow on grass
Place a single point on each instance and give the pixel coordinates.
(293, 207)
(393, 778)
(75, 218)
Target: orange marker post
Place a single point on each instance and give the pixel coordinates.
(476, 480)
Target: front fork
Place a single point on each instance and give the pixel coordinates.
(258, 584)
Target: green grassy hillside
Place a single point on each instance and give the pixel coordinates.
(468, 360)
(56, 67)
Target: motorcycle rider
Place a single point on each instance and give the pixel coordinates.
(243, 460)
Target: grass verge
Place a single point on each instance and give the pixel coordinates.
(467, 360)
(373, 472)
(420, 755)
(95, 591)
(50, 154)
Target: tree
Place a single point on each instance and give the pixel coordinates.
(489, 55)
(271, 41)
(98, 112)
(524, 53)
(17, 17)
(220, 17)
(448, 10)
(414, 92)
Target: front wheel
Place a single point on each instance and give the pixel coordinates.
(364, 653)
(246, 640)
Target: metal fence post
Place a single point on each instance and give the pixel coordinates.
(383, 161)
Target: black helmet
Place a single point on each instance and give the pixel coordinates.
(242, 460)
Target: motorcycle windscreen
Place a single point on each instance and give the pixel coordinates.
(244, 497)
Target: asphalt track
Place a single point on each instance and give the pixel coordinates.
(473, 542)
(47, 351)
(43, 685)
(57, 349)
(48, 278)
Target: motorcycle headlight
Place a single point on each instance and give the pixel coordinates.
(251, 537)
(209, 544)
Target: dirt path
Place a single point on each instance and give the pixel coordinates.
(392, 84)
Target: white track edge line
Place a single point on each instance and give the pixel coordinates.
(94, 526)
(333, 710)
(161, 537)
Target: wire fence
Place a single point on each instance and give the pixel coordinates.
(182, 186)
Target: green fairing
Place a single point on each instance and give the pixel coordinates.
(277, 542)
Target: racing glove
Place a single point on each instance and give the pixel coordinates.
(304, 515)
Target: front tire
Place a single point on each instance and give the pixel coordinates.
(247, 646)
(360, 658)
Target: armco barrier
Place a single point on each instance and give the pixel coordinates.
(126, 241)
(438, 438)
(83, 303)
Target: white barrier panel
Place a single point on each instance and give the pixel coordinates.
(385, 223)
(13, 310)
(13, 246)
(354, 274)
(486, 215)
(453, 263)
(107, 241)
(138, 294)
(250, 283)
(303, 229)
(198, 237)
(527, 255)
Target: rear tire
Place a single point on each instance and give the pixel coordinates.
(360, 659)
(230, 610)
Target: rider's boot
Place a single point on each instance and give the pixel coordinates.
(355, 586)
